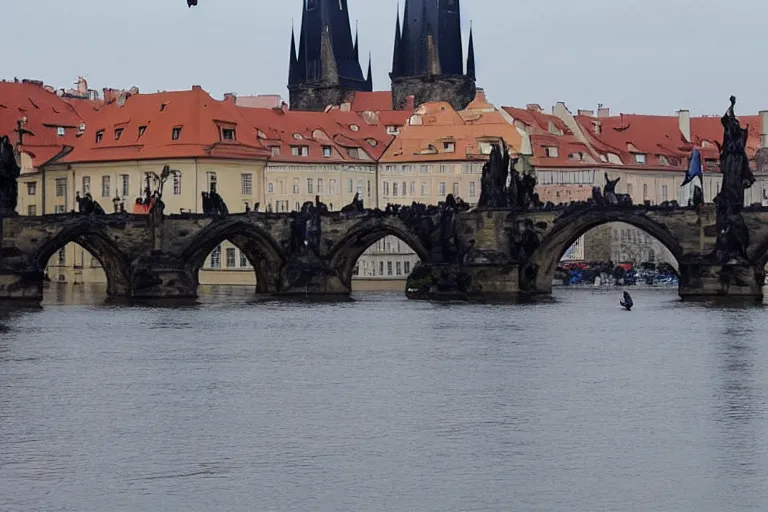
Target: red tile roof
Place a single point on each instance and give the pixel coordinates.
(45, 113)
(376, 101)
(341, 131)
(146, 123)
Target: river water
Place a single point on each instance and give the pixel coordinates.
(382, 404)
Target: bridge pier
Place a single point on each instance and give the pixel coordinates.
(463, 282)
(307, 275)
(21, 285)
(160, 276)
(701, 280)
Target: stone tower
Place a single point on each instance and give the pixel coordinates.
(326, 69)
(428, 61)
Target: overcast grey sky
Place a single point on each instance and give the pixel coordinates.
(642, 56)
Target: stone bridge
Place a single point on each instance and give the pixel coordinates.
(154, 256)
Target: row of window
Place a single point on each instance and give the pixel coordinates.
(635, 236)
(466, 168)
(317, 186)
(369, 269)
(401, 189)
(225, 134)
(579, 177)
(327, 151)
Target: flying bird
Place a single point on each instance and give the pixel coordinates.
(694, 168)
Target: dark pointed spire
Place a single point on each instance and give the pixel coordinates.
(471, 55)
(369, 79)
(293, 69)
(396, 53)
(356, 47)
(442, 19)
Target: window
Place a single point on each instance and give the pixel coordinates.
(443, 169)
(300, 150)
(295, 185)
(243, 260)
(61, 187)
(449, 147)
(332, 187)
(360, 187)
(394, 189)
(176, 133)
(216, 257)
(99, 136)
(230, 257)
(246, 184)
(406, 267)
(389, 268)
(59, 209)
(319, 185)
(640, 158)
(60, 131)
(297, 207)
(142, 129)
(551, 151)
(31, 210)
(118, 133)
(177, 184)
(645, 192)
(31, 188)
(62, 256)
(270, 188)
(211, 181)
(350, 186)
(471, 189)
(441, 189)
(327, 152)
(398, 269)
(125, 185)
(392, 129)
(424, 188)
(385, 187)
(369, 188)
(413, 188)
(86, 185)
(381, 268)
(425, 169)
(663, 192)
(105, 186)
(275, 150)
(455, 189)
(310, 186)
(485, 148)
(227, 134)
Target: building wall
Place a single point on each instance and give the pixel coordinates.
(429, 182)
(288, 186)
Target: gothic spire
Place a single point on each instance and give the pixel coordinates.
(471, 55)
(293, 69)
(396, 52)
(356, 47)
(369, 79)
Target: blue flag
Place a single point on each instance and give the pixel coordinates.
(695, 167)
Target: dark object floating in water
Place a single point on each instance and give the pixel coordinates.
(190, 3)
(626, 302)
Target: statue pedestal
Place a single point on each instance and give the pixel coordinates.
(158, 276)
(700, 280)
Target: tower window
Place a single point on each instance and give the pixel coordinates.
(310, 4)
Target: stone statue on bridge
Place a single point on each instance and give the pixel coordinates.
(502, 186)
(733, 234)
(9, 175)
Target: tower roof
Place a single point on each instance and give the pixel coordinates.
(327, 52)
(430, 39)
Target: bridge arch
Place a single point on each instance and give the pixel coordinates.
(258, 245)
(346, 252)
(537, 275)
(91, 236)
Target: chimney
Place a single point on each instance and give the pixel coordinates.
(230, 97)
(603, 112)
(410, 103)
(197, 88)
(534, 107)
(588, 113)
(764, 128)
(684, 122)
